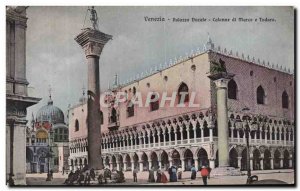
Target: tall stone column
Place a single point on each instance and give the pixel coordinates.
(141, 166)
(210, 134)
(212, 163)
(188, 135)
(291, 162)
(272, 163)
(158, 138)
(132, 166)
(240, 162)
(262, 163)
(281, 162)
(182, 164)
(92, 41)
(196, 163)
(125, 166)
(221, 80)
(181, 135)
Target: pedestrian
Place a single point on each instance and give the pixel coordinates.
(164, 178)
(194, 172)
(92, 174)
(80, 178)
(134, 173)
(63, 170)
(173, 176)
(204, 174)
(87, 179)
(151, 175)
(179, 173)
(51, 174)
(158, 175)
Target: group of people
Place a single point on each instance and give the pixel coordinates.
(81, 177)
(174, 174)
(160, 176)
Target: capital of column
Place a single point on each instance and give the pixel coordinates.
(221, 79)
(92, 41)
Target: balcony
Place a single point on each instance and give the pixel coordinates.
(196, 142)
(114, 123)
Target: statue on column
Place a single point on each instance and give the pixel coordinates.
(94, 17)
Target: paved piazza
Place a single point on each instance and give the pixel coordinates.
(284, 175)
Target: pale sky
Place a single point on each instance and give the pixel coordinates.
(54, 58)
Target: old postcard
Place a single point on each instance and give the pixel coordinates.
(150, 96)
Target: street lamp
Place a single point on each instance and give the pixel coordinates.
(49, 156)
(247, 119)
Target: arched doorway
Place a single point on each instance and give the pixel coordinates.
(121, 163)
(31, 167)
(154, 160)
(217, 159)
(233, 158)
(188, 160)
(128, 162)
(135, 162)
(267, 160)
(164, 160)
(276, 159)
(106, 163)
(114, 162)
(256, 159)
(244, 160)
(286, 157)
(145, 162)
(176, 158)
(202, 158)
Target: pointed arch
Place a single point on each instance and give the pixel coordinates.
(76, 125)
(260, 95)
(232, 89)
(130, 109)
(183, 93)
(285, 100)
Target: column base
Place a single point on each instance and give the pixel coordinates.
(225, 171)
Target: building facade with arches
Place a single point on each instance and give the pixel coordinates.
(152, 136)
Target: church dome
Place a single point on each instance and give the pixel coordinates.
(51, 113)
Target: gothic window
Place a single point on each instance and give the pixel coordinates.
(113, 117)
(260, 95)
(154, 105)
(76, 125)
(101, 117)
(130, 109)
(232, 90)
(183, 90)
(134, 90)
(285, 100)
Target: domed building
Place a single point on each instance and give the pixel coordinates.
(47, 140)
